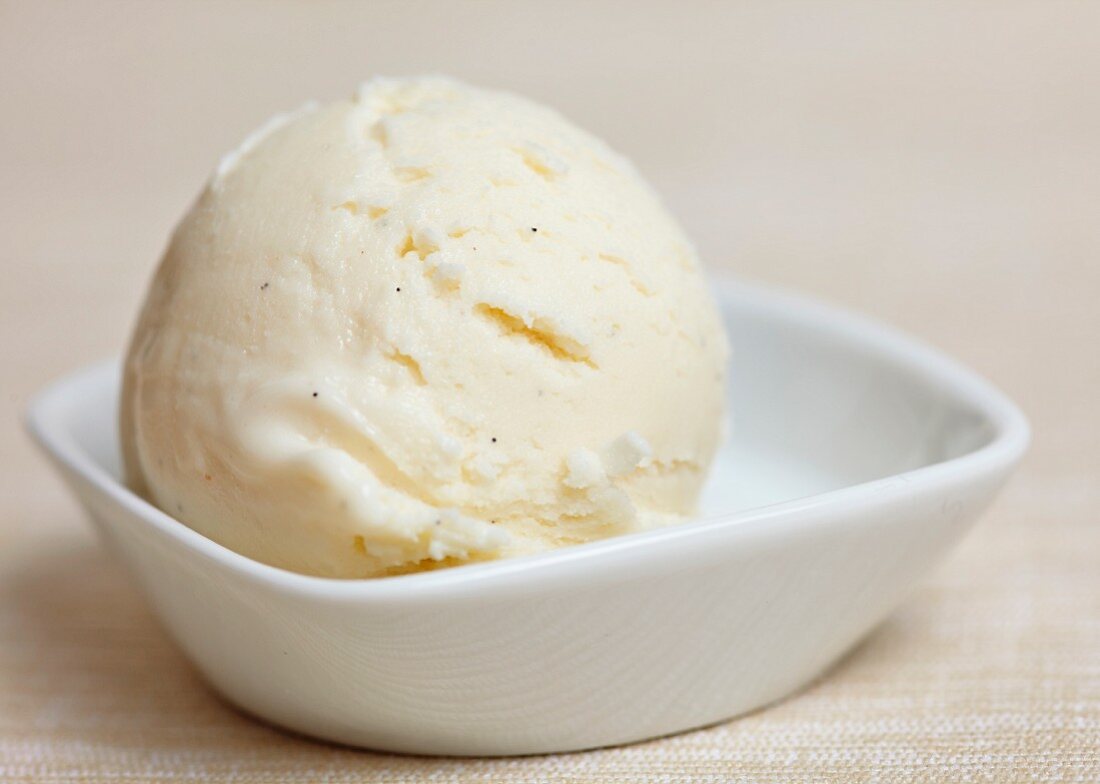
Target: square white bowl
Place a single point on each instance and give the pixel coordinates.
(859, 457)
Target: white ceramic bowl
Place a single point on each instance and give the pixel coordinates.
(859, 457)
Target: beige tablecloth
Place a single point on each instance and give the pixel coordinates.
(935, 166)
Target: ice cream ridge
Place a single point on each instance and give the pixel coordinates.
(422, 327)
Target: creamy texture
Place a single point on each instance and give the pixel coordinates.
(428, 325)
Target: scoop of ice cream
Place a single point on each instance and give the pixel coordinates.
(427, 325)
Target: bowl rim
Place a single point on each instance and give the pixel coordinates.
(50, 409)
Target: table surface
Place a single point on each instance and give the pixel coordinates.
(934, 166)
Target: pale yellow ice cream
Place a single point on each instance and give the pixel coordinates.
(428, 325)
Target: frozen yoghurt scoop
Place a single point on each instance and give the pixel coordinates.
(428, 325)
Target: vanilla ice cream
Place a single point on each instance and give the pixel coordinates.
(428, 325)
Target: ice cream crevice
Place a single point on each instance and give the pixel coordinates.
(669, 466)
(409, 363)
(422, 243)
(380, 132)
(352, 207)
(409, 174)
(541, 161)
(447, 273)
(639, 285)
(538, 333)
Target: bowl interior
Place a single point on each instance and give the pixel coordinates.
(812, 409)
